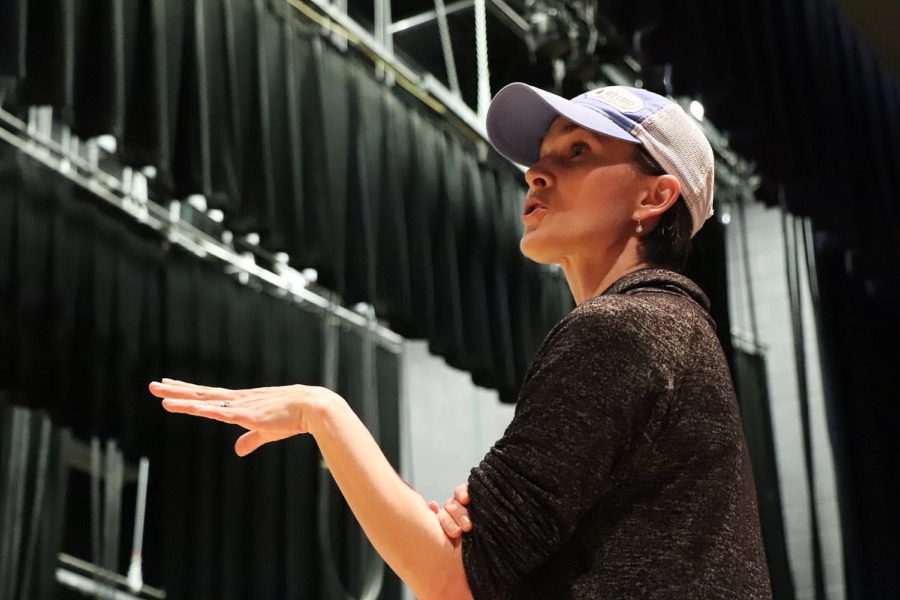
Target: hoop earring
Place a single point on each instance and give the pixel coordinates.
(639, 229)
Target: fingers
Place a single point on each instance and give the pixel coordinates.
(248, 442)
(171, 388)
(208, 410)
(454, 516)
(461, 493)
(459, 514)
(170, 381)
(448, 524)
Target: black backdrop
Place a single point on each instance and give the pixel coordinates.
(296, 141)
(802, 94)
(93, 309)
(246, 104)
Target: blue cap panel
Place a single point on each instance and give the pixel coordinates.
(626, 107)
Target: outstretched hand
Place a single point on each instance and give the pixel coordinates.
(269, 414)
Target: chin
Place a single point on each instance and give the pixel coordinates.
(538, 250)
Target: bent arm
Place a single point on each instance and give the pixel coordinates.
(395, 517)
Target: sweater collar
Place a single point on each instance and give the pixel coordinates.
(664, 279)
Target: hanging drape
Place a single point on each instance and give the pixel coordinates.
(92, 309)
(33, 482)
(751, 383)
(246, 104)
(801, 92)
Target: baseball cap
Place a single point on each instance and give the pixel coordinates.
(520, 115)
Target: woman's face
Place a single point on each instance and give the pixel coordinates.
(582, 195)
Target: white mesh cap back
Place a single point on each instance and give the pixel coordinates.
(679, 146)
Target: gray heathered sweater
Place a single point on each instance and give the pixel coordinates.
(624, 473)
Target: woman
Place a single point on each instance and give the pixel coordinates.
(624, 472)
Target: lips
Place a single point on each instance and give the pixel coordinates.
(532, 204)
(533, 212)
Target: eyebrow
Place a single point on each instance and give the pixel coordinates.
(568, 128)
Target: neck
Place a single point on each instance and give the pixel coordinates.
(588, 277)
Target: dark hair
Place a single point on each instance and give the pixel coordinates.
(669, 243)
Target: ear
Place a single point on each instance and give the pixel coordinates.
(662, 195)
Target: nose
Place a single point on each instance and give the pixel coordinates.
(538, 177)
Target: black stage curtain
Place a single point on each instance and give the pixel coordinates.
(245, 103)
(99, 67)
(499, 247)
(33, 478)
(802, 94)
(94, 308)
(706, 266)
(146, 128)
(751, 384)
(366, 149)
(333, 89)
(393, 237)
(49, 57)
(13, 21)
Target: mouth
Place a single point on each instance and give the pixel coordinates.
(532, 205)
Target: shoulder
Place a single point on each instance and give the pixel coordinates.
(612, 308)
(604, 326)
(609, 317)
(652, 328)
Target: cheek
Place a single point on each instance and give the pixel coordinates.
(594, 204)
(606, 196)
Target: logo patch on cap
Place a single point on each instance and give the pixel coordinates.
(620, 99)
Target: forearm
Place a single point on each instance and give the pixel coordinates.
(394, 516)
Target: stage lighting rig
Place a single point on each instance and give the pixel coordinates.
(573, 37)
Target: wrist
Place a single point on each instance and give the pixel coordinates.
(319, 408)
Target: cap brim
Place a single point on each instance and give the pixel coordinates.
(520, 114)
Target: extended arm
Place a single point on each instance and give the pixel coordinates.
(395, 518)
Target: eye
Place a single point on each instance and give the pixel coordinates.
(578, 148)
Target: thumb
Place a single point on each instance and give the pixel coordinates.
(248, 442)
(434, 506)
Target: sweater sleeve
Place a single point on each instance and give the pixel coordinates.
(591, 396)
